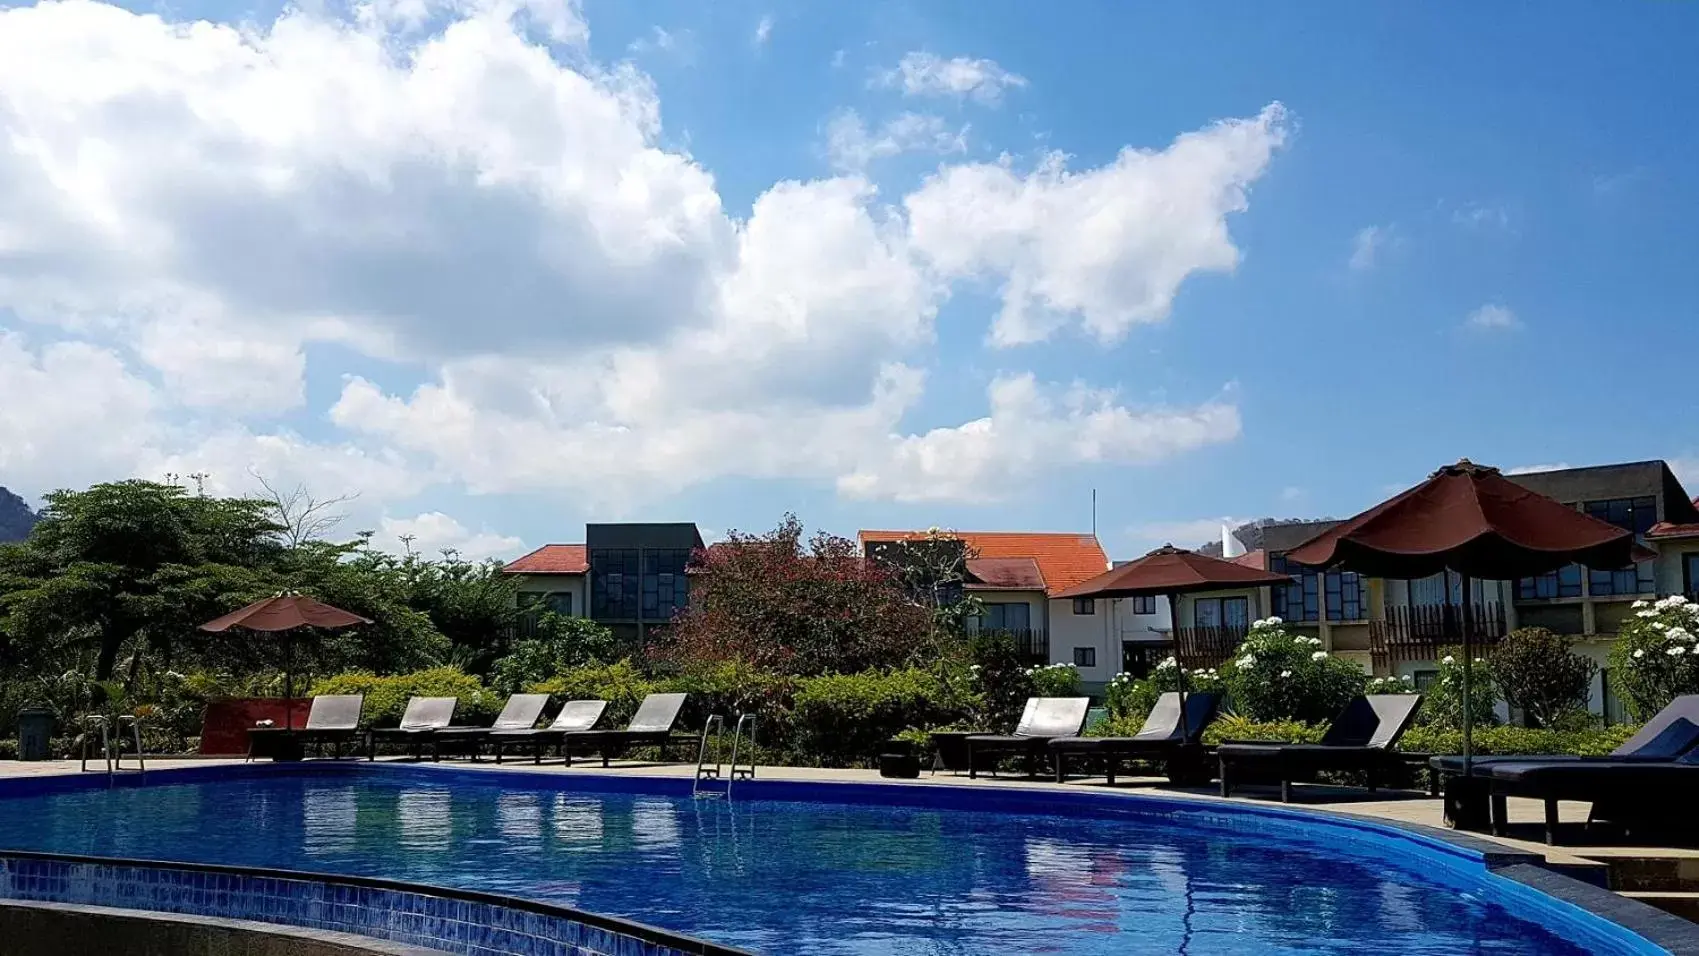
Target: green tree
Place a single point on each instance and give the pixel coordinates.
(1539, 673)
(556, 645)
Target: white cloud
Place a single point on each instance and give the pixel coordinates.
(1111, 245)
(1366, 246)
(926, 74)
(203, 207)
(659, 40)
(433, 532)
(851, 146)
(1535, 469)
(763, 31)
(1482, 216)
(1029, 431)
(1493, 318)
(1291, 493)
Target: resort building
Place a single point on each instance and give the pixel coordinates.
(1401, 627)
(1014, 574)
(629, 577)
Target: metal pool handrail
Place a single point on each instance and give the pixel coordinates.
(624, 927)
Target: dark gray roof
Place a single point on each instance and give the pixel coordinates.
(1273, 534)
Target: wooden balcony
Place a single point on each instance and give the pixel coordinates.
(1420, 632)
(1201, 647)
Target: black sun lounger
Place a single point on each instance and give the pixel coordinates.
(1639, 794)
(333, 719)
(1670, 733)
(1362, 738)
(1044, 718)
(651, 726)
(576, 716)
(424, 716)
(519, 713)
(1161, 738)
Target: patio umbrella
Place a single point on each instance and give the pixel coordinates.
(1170, 572)
(285, 613)
(1472, 521)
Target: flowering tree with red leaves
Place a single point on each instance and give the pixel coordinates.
(783, 604)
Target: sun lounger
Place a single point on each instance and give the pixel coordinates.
(1161, 738)
(1670, 733)
(333, 719)
(651, 726)
(575, 716)
(424, 716)
(1045, 718)
(1362, 738)
(519, 713)
(1642, 794)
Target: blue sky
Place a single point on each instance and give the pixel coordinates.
(475, 259)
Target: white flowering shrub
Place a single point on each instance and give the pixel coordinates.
(1278, 675)
(1055, 680)
(1390, 685)
(1443, 706)
(1655, 657)
(1127, 696)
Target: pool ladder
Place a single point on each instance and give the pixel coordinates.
(112, 742)
(714, 729)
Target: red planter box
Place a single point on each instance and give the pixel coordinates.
(224, 728)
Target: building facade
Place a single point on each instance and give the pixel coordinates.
(630, 578)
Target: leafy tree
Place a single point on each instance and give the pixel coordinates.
(1442, 703)
(557, 644)
(1278, 675)
(779, 603)
(1656, 655)
(932, 570)
(1539, 673)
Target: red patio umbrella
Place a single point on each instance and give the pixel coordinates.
(285, 613)
(1170, 572)
(1470, 520)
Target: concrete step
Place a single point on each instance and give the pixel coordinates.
(1684, 905)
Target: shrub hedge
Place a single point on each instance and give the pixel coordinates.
(386, 697)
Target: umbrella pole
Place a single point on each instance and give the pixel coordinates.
(288, 680)
(1468, 669)
(1179, 669)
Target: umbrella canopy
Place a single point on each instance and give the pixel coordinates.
(284, 613)
(1470, 519)
(1168, 571)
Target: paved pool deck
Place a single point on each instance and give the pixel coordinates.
(1526, 816)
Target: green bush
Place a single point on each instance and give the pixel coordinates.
(1512, 741)
(846, 719)
(734, 688)
(387, 697)
(1055, 680)
(1443, 704)
(1538, 672)
(1656, 655)
(1233, 727)
(1133, 698)
(1278, 675)
(559, 644)
(621, 684)
(1000, 681)
(1390, 685)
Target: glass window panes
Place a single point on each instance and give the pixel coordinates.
(1300, 600)
(1232, 613)
(1085, 606)
(1007, 617)
(1345, 597)
(1690, 572)
(1085, 657)
(1563, 583)
(1144, 605)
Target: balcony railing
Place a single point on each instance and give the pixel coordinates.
(1208, 646)
(1032, 646)
(1418, 633)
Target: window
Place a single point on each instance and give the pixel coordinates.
(1445, 587)
(1300, 600)
(1345, 596)
(1007, 617)
(1690, 572)
(1139, 659)
(1085, 605)
(1630, 514)
(559, 602)
(632, 584)
(1085, 657)
(1144, 605)
(1425, 680)
(1563, 583)
(1634, 579)
(1232, 613)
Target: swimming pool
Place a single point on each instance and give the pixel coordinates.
(955, 870)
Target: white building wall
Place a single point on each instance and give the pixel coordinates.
(1097, 631)
(574, 584)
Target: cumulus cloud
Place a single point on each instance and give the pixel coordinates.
(927, 74)
(1493, 318)
(763, 31)
(1110, 245)
(433, 532)
(1366, 246)
(851, 146)
(194, 210)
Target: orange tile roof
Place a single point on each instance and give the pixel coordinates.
(553, 559)
(1004, 574)
(1063, 558)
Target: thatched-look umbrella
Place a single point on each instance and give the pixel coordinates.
(1170, 572)
(1470, 520)
(285, 613)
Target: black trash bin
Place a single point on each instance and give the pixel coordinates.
(35, 733)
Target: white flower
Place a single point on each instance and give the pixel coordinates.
(1285, 673)
(1637, 605)
(1319, 656)
(1646, 614)
(1676, 651)
(1408, 679)
(1676, 600)
(1447, 659)
(1639, 654)
(1660, 625)
(1679, 634)
(1274, 622)
(1246, 661)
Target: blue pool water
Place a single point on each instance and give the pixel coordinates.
(781, 877)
